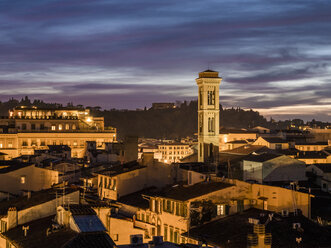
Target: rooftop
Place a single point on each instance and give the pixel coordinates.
(326, 168)
(312, 155)
(274, 140)
(12, 165)
(237, 142)
(79, 209)
(262, 157)
(36, 235)
(120, 169)
(89, 223)
(197, 167)
(246, 149)
(59, 148)
(36, 198)
(187, 192)
(312, 143)
(136, 199)
(230, 130)
(91, 240)
(232, 231)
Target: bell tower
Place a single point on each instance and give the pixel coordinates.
(208, 115)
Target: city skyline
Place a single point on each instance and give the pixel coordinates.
(274, 57)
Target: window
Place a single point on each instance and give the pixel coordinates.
(171, 234)
(114, 184)
(278, 146)
(177, 209)
(114, 237)
(176, 236)
(33, 126)
(10, 144)
(200, 123)
(60, 127)
(3, 226)
(67, 126)
(100, 184)
(152, 205)
(165, 234)
(211, 97)
(53, 127)
(42, 143)
(1, 145)
(220, 210)
(42, 126)
(24, 126)
(23, 179)
(24, 143)
(33, 143)
(73, 127)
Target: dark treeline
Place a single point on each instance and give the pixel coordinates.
(167, 123)
(175, 123)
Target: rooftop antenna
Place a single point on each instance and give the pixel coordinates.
(25, 229)
(229, 170)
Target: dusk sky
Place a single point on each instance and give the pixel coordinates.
(274, 56)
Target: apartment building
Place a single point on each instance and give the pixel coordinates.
(174, 152)
(30, 128)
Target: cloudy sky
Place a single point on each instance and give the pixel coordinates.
(274, 56)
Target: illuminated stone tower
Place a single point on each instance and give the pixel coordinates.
(208, 115)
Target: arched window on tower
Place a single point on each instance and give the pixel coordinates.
(211, 97)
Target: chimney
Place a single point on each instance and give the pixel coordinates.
(12, 218)
(147, 158)
(157, 240)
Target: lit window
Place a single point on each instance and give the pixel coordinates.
(22, 179)
(10, 145)
(220, 209)
(53, 127)
(67, 126)
(60, 127)
(1, 145)
(73, 126)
